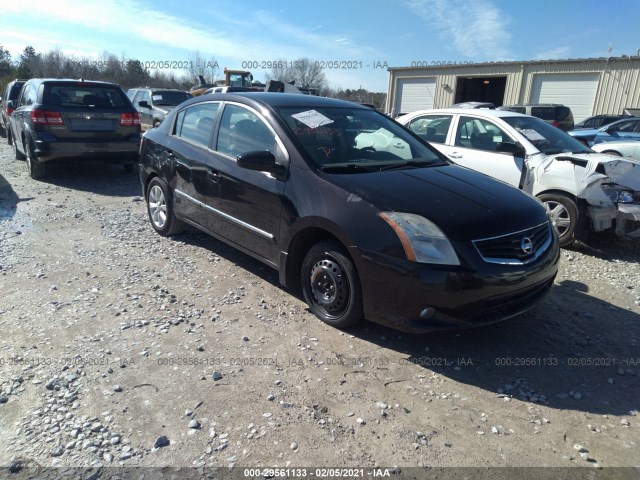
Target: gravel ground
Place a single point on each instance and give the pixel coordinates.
(123, 348)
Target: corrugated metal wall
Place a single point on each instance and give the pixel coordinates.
(619, 85)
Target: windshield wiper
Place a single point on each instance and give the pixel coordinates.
(347, 168)
(409, 163)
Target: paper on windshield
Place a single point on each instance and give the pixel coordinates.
(312, 118)
(157, 97)
(531, 134)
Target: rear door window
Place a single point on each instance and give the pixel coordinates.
(195, 124)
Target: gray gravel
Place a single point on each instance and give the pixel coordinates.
(123, 348)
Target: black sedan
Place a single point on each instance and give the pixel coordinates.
(362, 215)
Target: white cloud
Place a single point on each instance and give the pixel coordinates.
(554, 53)
(476, 29)
(137, 26)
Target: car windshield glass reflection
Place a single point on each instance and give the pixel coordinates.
(546, 138)
(343, 140)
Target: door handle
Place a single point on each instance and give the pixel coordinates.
(214, 175)
(454, 155)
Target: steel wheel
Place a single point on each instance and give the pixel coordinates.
(331, 286)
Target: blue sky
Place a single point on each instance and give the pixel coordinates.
(364, 34)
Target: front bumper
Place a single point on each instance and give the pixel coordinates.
(396, 292)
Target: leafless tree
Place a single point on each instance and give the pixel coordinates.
(303, 71)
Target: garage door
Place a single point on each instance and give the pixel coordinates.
(575, 90)
(415, 94)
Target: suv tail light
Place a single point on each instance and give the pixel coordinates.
(9, 111)
(555, 123)
(130, 119)
(46, 117)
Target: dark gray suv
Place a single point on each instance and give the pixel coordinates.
(557, 115)
(153, 104)
(56, 118)
(11, 92)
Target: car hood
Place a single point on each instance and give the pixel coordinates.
(164, 108)
(466, 205)
(582, 174)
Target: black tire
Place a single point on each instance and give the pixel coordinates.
(331, 286)
(160, 209)
(9, 137)
(37, 170)
(16, 153)
(563, 213)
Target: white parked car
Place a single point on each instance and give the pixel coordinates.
(624, 148)
(580, 188)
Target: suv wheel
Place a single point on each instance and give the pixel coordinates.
(563, 213)
(37, 170)
(7, 132)
(16, 153)
(160, 209)
(331, 286)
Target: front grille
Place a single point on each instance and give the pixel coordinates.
(517, 248)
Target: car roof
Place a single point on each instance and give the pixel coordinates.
(71, 80)
(480, 112)
(534, 105)
(274, 99)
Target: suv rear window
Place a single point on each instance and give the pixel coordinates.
(66, 95)
(545, 113)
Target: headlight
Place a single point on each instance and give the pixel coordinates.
(421, 239)
(618, 194)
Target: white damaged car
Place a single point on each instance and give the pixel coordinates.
(581, 189)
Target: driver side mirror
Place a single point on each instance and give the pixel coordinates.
(261, 161)
(514, 148)
(144, 104)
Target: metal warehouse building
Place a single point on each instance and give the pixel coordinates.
(590, 86)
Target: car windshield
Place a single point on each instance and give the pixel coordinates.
(355, 140)
(169, 98)
(545, 137)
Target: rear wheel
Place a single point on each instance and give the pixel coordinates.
(37, 170)
(16, 153)
(160, 209)
(563, 213)
(9, 137)
(331, 286)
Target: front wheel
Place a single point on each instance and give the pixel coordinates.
(331, 286)
(563, 213)
(160, 209)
